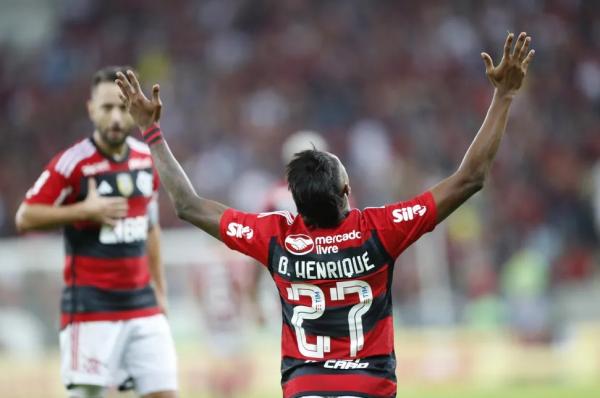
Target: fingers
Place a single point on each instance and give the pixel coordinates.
(156, 94)
(508, 45)
(125, 94)
(116, 203)
(156, 101)
(91, 186)
(489, 64)
(519, 45)
(125, 85)
(115, 208)
(134, 81)
(111, 222)
(524, 49)
(528, 59)
(124, 99)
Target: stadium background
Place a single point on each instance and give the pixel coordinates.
(500, 301)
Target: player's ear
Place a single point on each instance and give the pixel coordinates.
(346, 190)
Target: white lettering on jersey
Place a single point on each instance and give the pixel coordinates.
(347, 267)
(139, 163)
(327, 249)
(332, 239)
(283, 265)
(127, 230)
(329, 244)
(95, 168)
(408, 213)
(239, 231)
(317, 309)
(345, 364)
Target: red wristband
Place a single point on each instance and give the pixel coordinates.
(152, 135)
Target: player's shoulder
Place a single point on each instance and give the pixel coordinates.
(279, 217)
(138, 147)
(67, 160)
(401, 212)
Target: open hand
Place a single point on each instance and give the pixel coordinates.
(144, 111)
(508, 75)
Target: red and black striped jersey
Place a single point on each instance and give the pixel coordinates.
(106, 268)
(334, 286)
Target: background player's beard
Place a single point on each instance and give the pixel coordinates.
(114, 136)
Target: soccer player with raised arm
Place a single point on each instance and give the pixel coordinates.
(332, 264)
(103, 191)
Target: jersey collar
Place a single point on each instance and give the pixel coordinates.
(109, 157)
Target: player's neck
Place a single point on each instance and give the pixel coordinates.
(312, 224)
(115, 152)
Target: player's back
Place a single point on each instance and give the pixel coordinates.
(336, 308)
(337, 331)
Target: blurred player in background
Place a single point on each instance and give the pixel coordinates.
(103, 191)
(332, 265)
(224, 286)
(279, 197)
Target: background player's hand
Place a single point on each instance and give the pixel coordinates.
(508, 75)
(144, 111)
(162, 302)
(103, 210)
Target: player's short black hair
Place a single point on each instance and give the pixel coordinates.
(108, 74)
(314, 180)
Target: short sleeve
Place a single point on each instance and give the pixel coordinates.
(399, 224)
(249, 233)
(51, 188)
(153, 211)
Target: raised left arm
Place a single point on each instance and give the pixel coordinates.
(507, 79)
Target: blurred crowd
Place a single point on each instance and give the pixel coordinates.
(398, 90)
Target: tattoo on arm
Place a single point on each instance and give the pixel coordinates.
(203, 213)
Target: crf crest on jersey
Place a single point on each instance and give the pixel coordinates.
(125, 184)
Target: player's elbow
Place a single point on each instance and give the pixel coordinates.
(182, 210)
(22, 222)
(472, 176)
(189, 207)
(477, 183)
(472, 182)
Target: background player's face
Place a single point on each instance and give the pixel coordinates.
(109, 115)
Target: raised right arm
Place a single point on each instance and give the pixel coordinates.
(507, 78)
(189, 206)
(203, 213)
